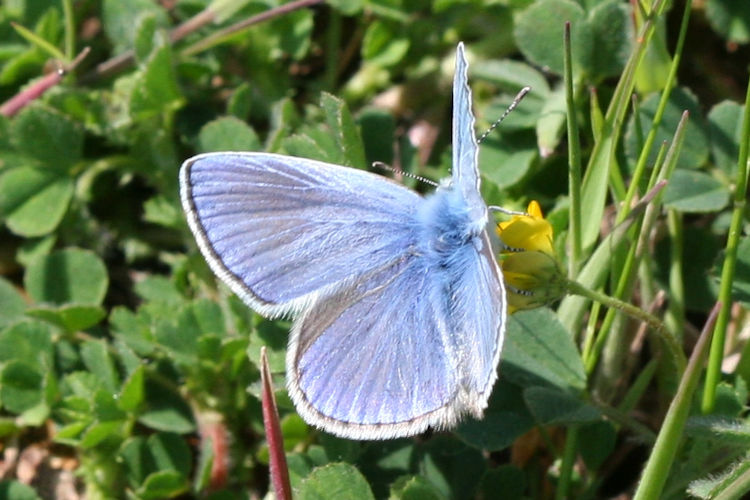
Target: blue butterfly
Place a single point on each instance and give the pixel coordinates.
(399, 302)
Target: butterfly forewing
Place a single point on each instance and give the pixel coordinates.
(281, 231)
(465, 175)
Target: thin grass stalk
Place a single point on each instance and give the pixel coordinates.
(596, 268)
(574, 162)
(627, 273)
(672, 345)
(713, 372)
(568, 461)
(590, 335)
(70, 29)
(669, 439)
(39, 42)
(222, 35)
(595, 181)
(675, 319)
(663, 101)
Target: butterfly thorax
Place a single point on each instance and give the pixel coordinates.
(448, 226)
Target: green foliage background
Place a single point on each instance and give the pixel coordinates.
(132, 373)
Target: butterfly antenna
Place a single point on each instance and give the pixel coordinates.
(380, 164)
(512, 106)
(495, 208)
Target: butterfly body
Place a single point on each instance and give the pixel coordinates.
(399, 302)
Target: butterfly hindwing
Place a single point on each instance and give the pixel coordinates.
(407, 348)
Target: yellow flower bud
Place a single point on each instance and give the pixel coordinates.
(532, 272)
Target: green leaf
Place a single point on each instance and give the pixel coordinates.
(8, 427)
(32, 249)
(725, 129)
(511, 76)
(159, 289)
(610, 24)
(539, 351)
(163, 211)
(730, 18)
(30, 341)
(695, 192)
(14, 490)
(20, 386)
(70, 275)
(156, 90)
(701, 248)
(163, 484)
(344, 130)
(145, 35)
(166, 411)
(552, 122)
(505, 419)
(507, 479)
(273, 336)
(133, 391)
(337, 481)
(225, 9)
(504, 159)
(694, 152)
(99, 362)
(552, 406)
(101, 433)
(105, 406)
(138, 462)
(49, 137)
(741, 281)
(181, 334)
(414, 488)
(120, 17)
(34, 201)
(538, 30)
(730, 483)
(305, 146)
(69, 317)
(170, 452)
(12, 304)
(240, 102)
(347, 7)
(598, 443)
(228, 134)
(382, 46)
(378, 134)
(134, 330)
(291, 33)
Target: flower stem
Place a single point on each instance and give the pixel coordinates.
(652, 321)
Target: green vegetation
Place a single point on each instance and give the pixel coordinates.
(128, 371)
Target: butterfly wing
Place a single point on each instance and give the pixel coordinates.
(465, 174)
(282, 231)
(407, 348)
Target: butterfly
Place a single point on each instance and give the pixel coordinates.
(398, 300)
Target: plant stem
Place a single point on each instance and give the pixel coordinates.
(669, 340)
(568, 460)
(668, 441)
(661, 108)
(574, 163)
(713, 372)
